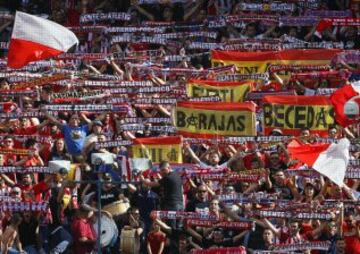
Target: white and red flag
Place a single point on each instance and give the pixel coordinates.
(330, 160)
(342, 96)
(35, 39)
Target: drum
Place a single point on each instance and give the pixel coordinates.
(117, 208)
(109, 231)
(129, 242)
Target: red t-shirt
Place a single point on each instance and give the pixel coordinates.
(33, 192)
(82, 228)
(155, 239)
(249, 157)
(352, 244)
(25, 131)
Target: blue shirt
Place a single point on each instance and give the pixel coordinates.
(75, 137)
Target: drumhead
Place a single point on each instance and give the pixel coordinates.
(109, 231)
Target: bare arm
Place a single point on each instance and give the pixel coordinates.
(192, 154)
(275, 230)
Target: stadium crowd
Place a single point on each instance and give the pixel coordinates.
(122, 87)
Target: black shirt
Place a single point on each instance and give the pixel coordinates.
(27, 232)
(109, 196)
(173, 191)
(197, 206)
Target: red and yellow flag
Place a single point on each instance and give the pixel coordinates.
(258, 62)
(227, 91)
(291, 114)
(212, 119)
(158, 149)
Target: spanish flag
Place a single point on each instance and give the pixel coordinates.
(291, 114)
(158, 149)
(215, 119)
(227, 91)
(258, 62)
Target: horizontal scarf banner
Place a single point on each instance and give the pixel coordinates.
(135, 29)
(28, 114)
(82, 56)
(348, 57)
(4, 45)
(155, 120)
(313, 45)
(352, 174)
(110, 16)
(238, 225)
(239, 77)
(159, 1)
(16, 93)
(253, 46)
(23, 206)
(158, 149)
(249, 40)
(258, 62)
(87, 29)
(9, 199)
(325, 91)
(137, 39)
(94, 76)
(14, 151)
(291, 114)
(141, 127)
(317, 245)
(321, 74)
(80, 95)
(204, 99)
(256, 96)
(205, 45)
(298, 21)
(181, 35)
(172, 215)
(77, 107)
(153, 89)
(307, 4)
(298, 68)
(20, 75)
(329, 22)
(212, 119)
(227, 91)
(95, 83)
(232, 178)
(23, 138)
(238, 140)
(39, 82)
(221, 250)
(5, 15)
(25, 170)
(273, 7)
(329, 13)
(240, 197)
(115, 143)
(293, 215)
(155, 101)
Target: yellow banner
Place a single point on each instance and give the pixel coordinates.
(197, 122)
(291, 116)
(226, 93)
(158, 149)
(258, 62)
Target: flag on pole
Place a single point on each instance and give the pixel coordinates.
(35, 39)
(330, 160)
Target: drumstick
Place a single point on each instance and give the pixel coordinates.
(134, 220)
